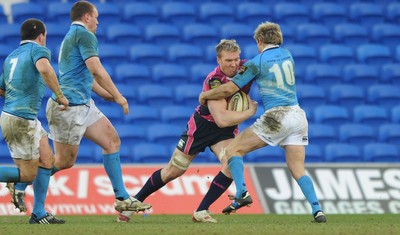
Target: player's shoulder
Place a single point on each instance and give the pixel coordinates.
(214, 79)
(39, 47)
(36, 49)
(81, 32)
(86, 33)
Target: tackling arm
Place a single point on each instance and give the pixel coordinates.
(223, 91)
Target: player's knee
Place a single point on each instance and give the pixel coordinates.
(180, 161)
(65, 164)
(69, 164)
(47, 162)
(296, 170)
(225, 155)
(28, 176)
(230, 152)
(116, 142)
(113, 144)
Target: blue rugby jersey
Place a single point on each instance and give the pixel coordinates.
(22, 81)
(76, 81)
(273, 70)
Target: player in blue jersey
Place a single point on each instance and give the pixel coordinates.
(211, 126)
(283, 123)
(81, 72)
(26, 73)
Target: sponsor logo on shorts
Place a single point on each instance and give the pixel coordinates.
(181, 143)
(305, 138)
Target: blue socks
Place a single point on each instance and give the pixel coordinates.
(218, 186)
(112, 165)
(153, 184)
(236, 167)
(21, 186)
(40, 186)
(307, 188)
(9, 174)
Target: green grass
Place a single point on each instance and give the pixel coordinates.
(232, 224)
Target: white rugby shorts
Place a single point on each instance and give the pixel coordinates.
(68, 126)
(282, 125)
(22, 136)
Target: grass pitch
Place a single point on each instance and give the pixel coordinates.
(227, 224)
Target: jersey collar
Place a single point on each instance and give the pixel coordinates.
(79, 23)
(269, 46)
(26, 41)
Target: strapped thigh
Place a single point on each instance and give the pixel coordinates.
(180, 161)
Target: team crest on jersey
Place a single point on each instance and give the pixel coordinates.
(214, 83)
(242, 70)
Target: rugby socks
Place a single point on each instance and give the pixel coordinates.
(112, 165)
(21, 186)
(236, 167)
(307, 188)
(9, 174)
(218, 186)
(40, 186)
(153, 184)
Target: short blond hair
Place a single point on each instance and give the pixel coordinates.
(227, 45)
(269, 33)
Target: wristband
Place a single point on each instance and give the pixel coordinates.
(59, 94)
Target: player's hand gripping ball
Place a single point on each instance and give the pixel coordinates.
(238, 102)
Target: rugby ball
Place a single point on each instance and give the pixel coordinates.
(238, 102)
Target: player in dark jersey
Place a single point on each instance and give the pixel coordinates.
(210, 126)
(26, 73)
